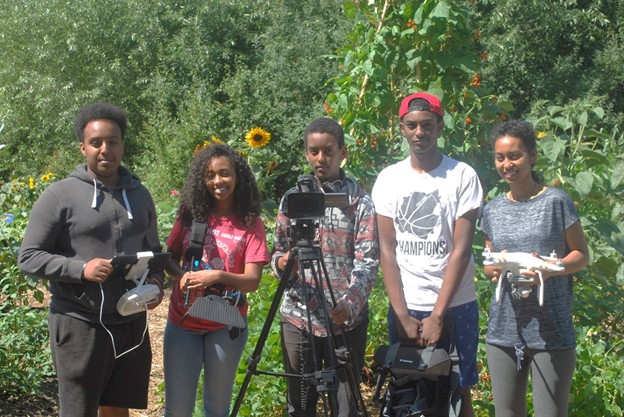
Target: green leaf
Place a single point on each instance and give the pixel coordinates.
(441, 10)
(552, 148)
(612, 234)
(582, 119)
(598, 111)
(617, 177)
(349, 9)
(584, 181)
(555, 109)
(593, 158)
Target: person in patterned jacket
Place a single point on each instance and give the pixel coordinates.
(348, 240)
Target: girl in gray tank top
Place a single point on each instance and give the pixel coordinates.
(523, 337)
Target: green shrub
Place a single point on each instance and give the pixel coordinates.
(24, 350)
(24, 353)
(598, 387)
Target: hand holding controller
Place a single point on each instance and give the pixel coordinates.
(136, 300)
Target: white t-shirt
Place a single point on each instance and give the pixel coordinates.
(424, 208)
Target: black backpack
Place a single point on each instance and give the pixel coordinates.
(420, 381)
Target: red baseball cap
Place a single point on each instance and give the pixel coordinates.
(434, 103)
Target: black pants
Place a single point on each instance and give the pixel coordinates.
(88, 373)
(297, 352)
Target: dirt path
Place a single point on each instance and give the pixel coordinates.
(47, 404)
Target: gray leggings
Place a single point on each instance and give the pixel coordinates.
(551, 376)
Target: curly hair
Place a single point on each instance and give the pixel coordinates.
(196, 202)
(100, 111)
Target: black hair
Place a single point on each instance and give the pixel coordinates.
(522, 130)
(196, 202)
(325, 125)
(100, 111)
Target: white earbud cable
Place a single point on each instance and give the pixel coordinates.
(111, 335)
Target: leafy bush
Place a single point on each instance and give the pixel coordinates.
(598, 387)
(24, 350)
(582, 153)
(24, 353)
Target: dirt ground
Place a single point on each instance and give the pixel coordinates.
(46, 405)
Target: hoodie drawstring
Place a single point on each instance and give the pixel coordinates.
(127, 203)
(519, 356)
(123, 193)
(94, 201)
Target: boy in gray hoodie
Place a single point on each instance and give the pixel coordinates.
(102, 359)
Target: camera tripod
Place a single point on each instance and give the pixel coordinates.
(325, 380)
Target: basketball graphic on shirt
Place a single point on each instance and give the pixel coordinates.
(418, 214)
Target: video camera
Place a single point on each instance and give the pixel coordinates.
(307, 205)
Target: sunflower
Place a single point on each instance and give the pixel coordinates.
(47, 177)
(213, 139)
(257, 137)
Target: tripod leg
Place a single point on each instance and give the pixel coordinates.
(351, 385)
(253, 360)
(350, 366)
(347, 360)
(325, 378)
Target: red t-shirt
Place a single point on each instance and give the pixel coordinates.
(228, 246)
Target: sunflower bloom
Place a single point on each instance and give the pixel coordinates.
(31, 183)
(257, 137)
(541, 135)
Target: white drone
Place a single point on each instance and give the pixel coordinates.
(513, 263)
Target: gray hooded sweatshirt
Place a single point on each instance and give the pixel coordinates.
(78, 219)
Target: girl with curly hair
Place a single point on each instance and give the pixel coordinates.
(220, 191)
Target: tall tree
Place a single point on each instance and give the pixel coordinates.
(558, 50)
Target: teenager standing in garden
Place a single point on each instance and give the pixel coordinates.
(523, 337)
(427, 206)
(348, 241)
(221, 192)
(102, 359)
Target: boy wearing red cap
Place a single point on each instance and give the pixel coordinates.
(427, 206)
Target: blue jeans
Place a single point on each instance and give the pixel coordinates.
(184, 353)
